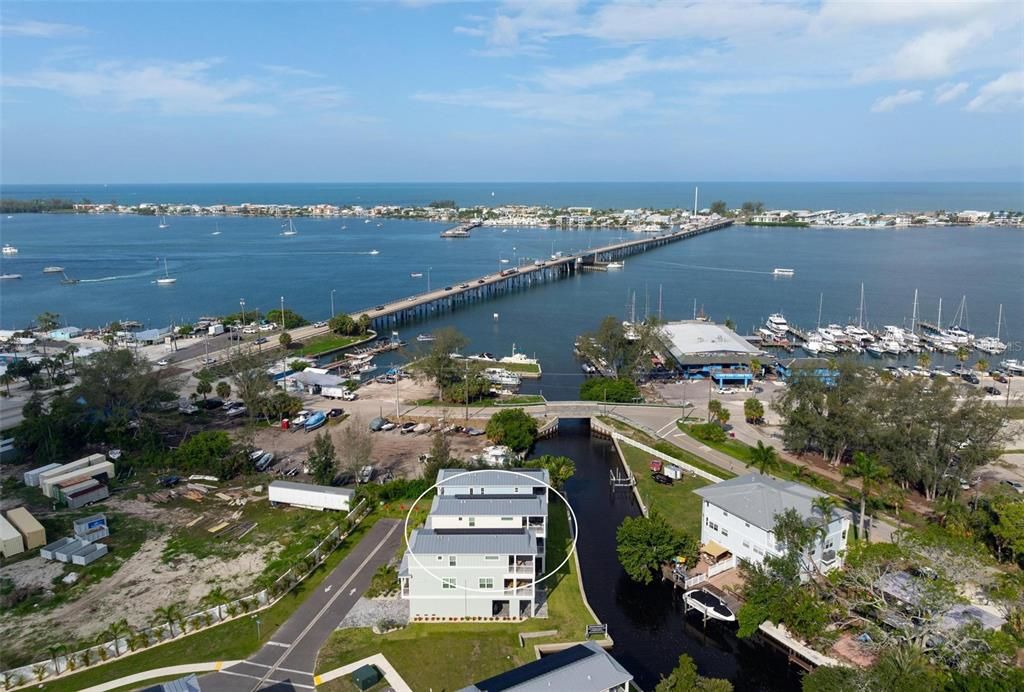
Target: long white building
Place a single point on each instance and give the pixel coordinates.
(482, 547)
(739, 514)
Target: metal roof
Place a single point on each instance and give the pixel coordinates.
(693, 337)
(488, 506)
(500, 477)
(427, 542)
(309, 487)
(757, 499)
(585, 667)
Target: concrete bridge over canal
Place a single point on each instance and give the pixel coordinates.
(425, 305)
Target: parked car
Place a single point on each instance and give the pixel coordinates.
(1016, 485)
(209, 361)
(463, 285)
(162, 362)
(447, 288)
(250, 330)
(349, 396)
(407, 428)
(320, 324)
(335, 412)
(262, 340)
(1000, 378)
(237, 411)
(970, 377)
(379, 307)
(661, 479)
(993, 391)
(474, 432)
(377, 424)
(264, 462)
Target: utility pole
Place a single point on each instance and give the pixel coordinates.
(332, 303)
(466, 382)
(284, 351)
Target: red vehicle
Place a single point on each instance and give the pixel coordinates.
(656, 465)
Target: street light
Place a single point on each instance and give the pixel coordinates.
(428, 279)
(257, 620)
(332, 303)
(284, 351)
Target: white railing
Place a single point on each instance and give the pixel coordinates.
(693, 581)
(723, 566)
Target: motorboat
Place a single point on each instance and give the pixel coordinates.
(779, 271)
(367, 367)
(588, 369)
(990, 345)
(777, 323)
(812, 348)
(53, 270)
(374, 252)
(875, 350)
(416, 275)
(1013, 366)
(166, 279)
(709, 605)
(891, 346)
(487, 356)
(958, 335)
(518, 358)
(859, 333)
(5, 277)
(425, 337)
(10, 250)
(422, 428)
(317, 420)
(502, 377)
(615, 265)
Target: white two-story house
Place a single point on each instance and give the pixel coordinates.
(739, 514)
(482, 546)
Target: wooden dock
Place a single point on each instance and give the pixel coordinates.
(425, 305)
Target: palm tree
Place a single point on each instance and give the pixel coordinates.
(981, 365)
(223, 389)
(56, 651)
(924, 360)
(204, 388)
(167, 615)
(71, 350)
(962, 354)
(117, 631)
(870, 473)
(764, 457)
(825, 505)
(897, 497)
(47, 322)
(5, 380)
(714, 407)
(755, 367)
(217, 598)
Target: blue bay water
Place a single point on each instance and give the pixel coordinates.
(727, 273)
(866, 197)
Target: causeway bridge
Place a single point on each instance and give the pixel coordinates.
(424, 305)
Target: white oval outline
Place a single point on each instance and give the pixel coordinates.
(534, 582)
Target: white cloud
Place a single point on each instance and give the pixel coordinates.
(611, 71)
(568, 108)
(1004, 92)
(289, 71)
(32, 28)
(932, 54)
(181, 88)
(901, 98)
(844, 13)
(945, 93)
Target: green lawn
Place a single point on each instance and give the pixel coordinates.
(233, 640)
(520, 367)
(1015, 412)
(677, 502)
(327, 342)
(450, 656)
(668, 448)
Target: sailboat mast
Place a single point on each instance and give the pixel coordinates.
(999, 321)
(938, 322)
(913, 319)
(860, 313)
(821, 297)
(659, 303)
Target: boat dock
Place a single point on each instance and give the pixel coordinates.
(425, 305)
(461, 231)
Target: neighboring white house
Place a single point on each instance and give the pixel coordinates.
(585, 667)
(739, 515)
(482, 546)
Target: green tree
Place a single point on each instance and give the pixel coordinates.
(764, 458)
(719, 207)
(924, 360)
(285, 340)
(323, 462)
(117, 631)
(437, 363)
(981, 365)
(715, 409)
(298, 365)
(223, 389)
(753, 410)
(610, 389)
(343, 324)
(169, 615)
(644, 544)
(47, 322)
(203, 388)
(6, 379)
(291, 319)
(364, 323)
(1008, 530)
(514, 428)
(560, 469)
(440, 449)
(871, 474)
(834, 679)
(355, 445)
(210, 451)
(756, 367)
(684, 678)
(185, 330)
(216, 598)
(57, 652)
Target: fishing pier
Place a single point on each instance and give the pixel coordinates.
(425, 305)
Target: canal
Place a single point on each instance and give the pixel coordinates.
(647, 622)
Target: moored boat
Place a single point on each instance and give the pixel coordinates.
(10, 250)
(709, 605)
(777, 323)
(53, 270)
(425, 337)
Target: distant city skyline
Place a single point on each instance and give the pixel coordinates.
(521, 90)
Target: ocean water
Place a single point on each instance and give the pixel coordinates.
(866, 197)
(726, 273)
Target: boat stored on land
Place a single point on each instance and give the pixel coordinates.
(317, 420)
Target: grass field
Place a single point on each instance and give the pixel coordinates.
(668, 448)
(327, 342)
(677, 502)
(232, 640)
(520, 367)
(450, 656)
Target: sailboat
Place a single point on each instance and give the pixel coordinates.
(167, 279)
(217, 231)
(290, 230)
(857, 331)
(163, 222)
(992, 344)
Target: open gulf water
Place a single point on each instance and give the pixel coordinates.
(727, 273)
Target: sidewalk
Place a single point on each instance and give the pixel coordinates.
(390, 674)
(161, 673)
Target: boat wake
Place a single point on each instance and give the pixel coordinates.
(105, 279)
(717, 269)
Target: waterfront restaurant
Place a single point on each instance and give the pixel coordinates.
(705, 349)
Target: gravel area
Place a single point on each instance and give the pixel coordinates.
(369, 611)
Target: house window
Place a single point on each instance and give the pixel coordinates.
(487, 582)
(712, 525)
(844, 534)
(490, 557)
(758, 550)
(506, 518)
(746, 525)
(746, 544)
(440, 557)
(451, 560)
(472, 522)
(448, 583)
(725, 531)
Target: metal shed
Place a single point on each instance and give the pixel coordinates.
(87, 496)
(92, 527)
(11, 543)
(90, 552)
(29, 528)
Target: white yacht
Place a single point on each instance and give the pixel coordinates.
(10, 250)
(812, 347)
(958, 335)
(858, 333)
(1013, 366)
(53, 270)
(990, 345)
(777, 323)
(501, 376)
(779, 271)
(875, 350)
(616, 265)
(166, 279)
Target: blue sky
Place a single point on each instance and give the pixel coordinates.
(529, 90)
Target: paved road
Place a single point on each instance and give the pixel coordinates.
(288, 660)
